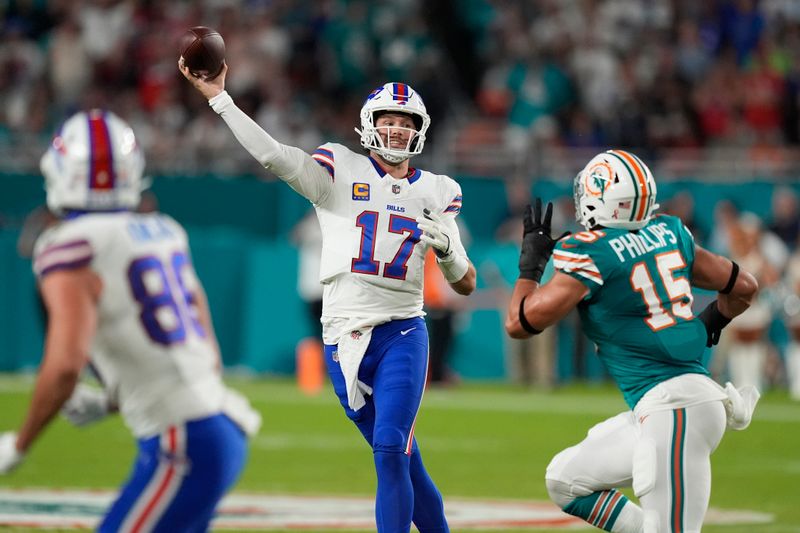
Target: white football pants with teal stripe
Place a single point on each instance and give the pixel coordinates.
(665, 457)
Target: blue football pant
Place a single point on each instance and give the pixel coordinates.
(395, 366)
(179, 478)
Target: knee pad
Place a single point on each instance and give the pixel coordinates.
(644, 467)
(389, 439)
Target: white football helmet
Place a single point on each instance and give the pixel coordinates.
(615, 190)
(93, 164)
(399, 98)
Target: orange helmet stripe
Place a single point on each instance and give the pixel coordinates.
(640, 177)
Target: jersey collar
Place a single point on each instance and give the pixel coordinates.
(412, 176)
(75, 213)
(377, 166)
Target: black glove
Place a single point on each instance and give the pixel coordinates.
(537, 244)
(714, 321)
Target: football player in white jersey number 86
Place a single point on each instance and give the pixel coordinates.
(378, 217)
(121, 293)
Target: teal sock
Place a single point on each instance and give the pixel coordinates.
(600, 509)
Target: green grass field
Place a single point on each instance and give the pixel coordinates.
(488, 441)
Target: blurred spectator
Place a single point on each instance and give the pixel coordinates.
(440, 316)
(668, 75)
(785, 221)
(747, 357)
(70, 67)
(531, 362)
(726, 215)
(307, 236)
(742, 25)
(310, 362)
(682, 206)
(442, 306)
(792, 312)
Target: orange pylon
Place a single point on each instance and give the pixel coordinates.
(310, 366)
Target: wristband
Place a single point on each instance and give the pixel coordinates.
(454, 267)
(524, 321)
(732, 280)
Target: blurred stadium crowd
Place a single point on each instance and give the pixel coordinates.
(517, 90)
(500, 77)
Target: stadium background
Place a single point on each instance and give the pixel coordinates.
(522, 94)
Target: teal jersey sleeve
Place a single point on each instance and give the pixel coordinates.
(584, 256)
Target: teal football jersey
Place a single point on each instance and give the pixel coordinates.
(638, 311)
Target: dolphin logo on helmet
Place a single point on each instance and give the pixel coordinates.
(93, 164)
(397, 98)
(615, 190)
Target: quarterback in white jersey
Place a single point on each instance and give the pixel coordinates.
(378, 218)
(122, 295)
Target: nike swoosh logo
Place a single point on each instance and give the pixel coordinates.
(569, 245)
(407, 331)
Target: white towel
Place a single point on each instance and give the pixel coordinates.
(238, 408)
(352, 337)
(740, 405)
(352, 345)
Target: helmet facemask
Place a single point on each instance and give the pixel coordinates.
(400, 99)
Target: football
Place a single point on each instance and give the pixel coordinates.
(203, 51)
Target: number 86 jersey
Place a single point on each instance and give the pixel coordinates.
(150, 349)
(638, 310)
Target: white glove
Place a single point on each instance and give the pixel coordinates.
(434, 233)
(86, 406)
(10, 457)
(237, 408)
(740, 405)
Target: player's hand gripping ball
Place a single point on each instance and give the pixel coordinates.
(203, 52)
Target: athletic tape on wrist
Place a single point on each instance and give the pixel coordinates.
(454, 267)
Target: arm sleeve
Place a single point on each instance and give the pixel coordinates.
(292, 165)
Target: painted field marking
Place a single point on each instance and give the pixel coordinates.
(74, 509)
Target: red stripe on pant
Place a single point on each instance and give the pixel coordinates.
(162, 487)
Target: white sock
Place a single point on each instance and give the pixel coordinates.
(629, 519)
